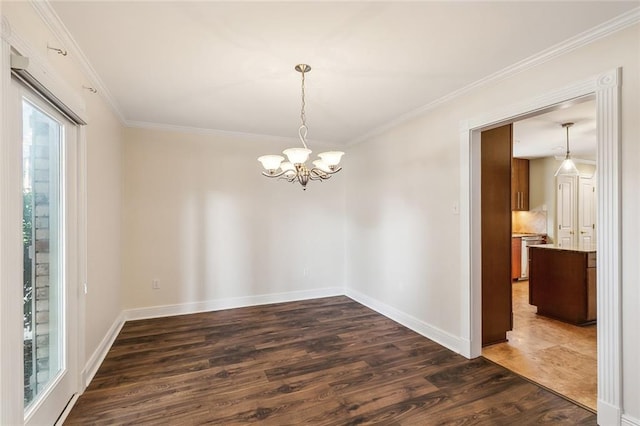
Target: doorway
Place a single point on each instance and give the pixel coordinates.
(556, 354)
(606, 88)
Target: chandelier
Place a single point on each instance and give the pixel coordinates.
(296, 169)
(568, 167)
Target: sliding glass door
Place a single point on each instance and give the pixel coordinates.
(49, 257)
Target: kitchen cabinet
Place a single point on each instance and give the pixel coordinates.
(562, 282)
(516, 257)
(519, 184)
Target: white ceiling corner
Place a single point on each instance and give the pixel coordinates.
(56, 25)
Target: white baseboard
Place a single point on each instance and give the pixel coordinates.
(94, 362)
(465, 348)
(67, 410)
(608, 415)
(447, 340)
(629, 421)
(228, 303)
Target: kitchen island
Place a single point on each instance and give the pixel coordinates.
(562, 282)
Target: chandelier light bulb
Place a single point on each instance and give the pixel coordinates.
(271, 162)
(297, 155)
(331, 158)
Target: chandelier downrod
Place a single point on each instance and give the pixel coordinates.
(566, 126)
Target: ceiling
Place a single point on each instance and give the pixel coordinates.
(543, 135)
(230, 65)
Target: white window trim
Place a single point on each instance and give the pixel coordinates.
(11, 402)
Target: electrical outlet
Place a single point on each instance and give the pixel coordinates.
(155, 284)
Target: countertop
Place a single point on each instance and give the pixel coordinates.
(527, 234)
(585, 248)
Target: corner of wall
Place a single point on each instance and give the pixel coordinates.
(439, 336)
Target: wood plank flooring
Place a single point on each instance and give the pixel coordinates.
(560, 356)
(328, 361)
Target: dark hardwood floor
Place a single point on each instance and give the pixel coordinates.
(327, 361)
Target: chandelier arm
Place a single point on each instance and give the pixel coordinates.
(274, 175)
(325, 172)
(318, 177)
(319, 174)
(288, 178)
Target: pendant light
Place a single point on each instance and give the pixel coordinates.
(568, 167)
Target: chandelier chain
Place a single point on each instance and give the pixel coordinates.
(302, 131)
(303, 116)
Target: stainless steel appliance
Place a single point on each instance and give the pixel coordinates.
(524, 261)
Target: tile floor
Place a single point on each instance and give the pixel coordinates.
(559, 356)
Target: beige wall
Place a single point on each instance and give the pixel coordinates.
(104, 222)
(200, 218)
(403, 236)
(104, 144)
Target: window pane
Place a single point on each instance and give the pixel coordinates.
(42, 250)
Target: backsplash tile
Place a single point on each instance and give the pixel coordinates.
(529, 222)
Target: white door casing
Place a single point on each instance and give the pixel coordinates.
(606, 89)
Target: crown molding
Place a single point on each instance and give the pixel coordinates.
(223, 133)
(60, 31)
(598, 32)
(625, 20)
(38, 71)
